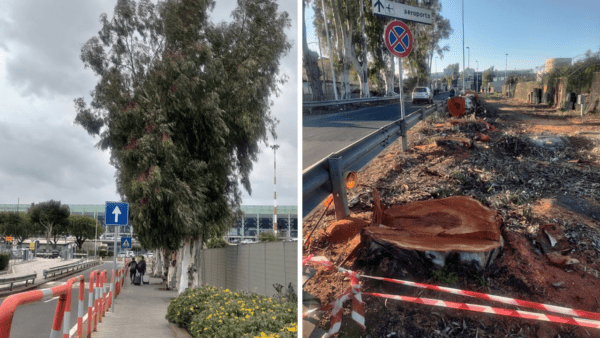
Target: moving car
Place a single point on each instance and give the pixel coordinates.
(422, 94)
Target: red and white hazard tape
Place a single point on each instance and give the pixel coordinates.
(353, 292)
(493, 310)
(358, 307)
(505, 300)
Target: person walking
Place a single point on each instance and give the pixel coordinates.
(141, 267)
(132, 269)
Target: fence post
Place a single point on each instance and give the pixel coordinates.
(338, 184)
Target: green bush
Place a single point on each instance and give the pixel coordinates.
(110, 253)
(267, 236)
(4, 258)
(217, 242)
(212, 312)
(102, 253)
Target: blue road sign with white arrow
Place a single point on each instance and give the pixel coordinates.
(117, 213)
(126, 242)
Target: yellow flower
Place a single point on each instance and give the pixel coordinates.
(274, 317)
(192, 308)
(291, 329)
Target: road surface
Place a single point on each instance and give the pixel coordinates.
(325, 134)
(35, 320)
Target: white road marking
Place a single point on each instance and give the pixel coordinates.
(74, 328)
(51, 299)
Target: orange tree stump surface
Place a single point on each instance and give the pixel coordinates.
(450, 224)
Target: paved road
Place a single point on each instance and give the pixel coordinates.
(325, 134)
(35, 320)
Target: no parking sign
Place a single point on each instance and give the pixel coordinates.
(398, 39)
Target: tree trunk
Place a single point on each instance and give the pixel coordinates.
(310, 64)
(197, 259)
(157, 268)
(186, 263)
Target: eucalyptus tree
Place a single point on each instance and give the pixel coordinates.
(183, 105)
(310, 62)
(83, 228)
(18, 225)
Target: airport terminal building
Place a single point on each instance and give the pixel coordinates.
(257, 219)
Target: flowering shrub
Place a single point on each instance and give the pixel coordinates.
(212, 312)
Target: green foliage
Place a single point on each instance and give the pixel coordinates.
(4, 258)
(17, 225)
(267, 236)
(445, 275)
(211, 312)
(578, 76)
(288, 295)
(216, 242)
(102, 253)
(51, 216)
(83, 227)
(184, 109)
(488, 76)
(110, 253)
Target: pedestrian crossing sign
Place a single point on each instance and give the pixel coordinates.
(125, 242)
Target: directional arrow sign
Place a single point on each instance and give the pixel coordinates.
(117, 213)
(401, 11)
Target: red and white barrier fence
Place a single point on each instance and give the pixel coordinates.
(99, 300)
(588, 320)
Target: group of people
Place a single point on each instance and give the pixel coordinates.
(135, 267)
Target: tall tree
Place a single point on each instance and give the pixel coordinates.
(185, 136)
(83, 228)
(51, 216)
(17, 225)
(310, 63)
(488, 76)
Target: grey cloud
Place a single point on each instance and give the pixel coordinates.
(49, 35)
(52, 160)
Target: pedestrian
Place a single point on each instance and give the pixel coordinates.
(132, 269)
(141, 267)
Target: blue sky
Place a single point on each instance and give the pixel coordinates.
(529, 31)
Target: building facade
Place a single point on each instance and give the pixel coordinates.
(257, 219)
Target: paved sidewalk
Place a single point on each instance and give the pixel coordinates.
(140, 311)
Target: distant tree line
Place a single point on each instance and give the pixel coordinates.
(51, 219)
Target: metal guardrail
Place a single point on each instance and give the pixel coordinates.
(327, 176)
(13, 280)
(72, 266)
(312, 104)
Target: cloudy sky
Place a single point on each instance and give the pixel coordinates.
(43, 155)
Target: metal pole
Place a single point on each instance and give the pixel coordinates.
(477, 82)
(463, 31)
(404, 137)
(469, 63)
(96, 237)
(329, 47)
(274, 147)
(505, 78)
(115, 267)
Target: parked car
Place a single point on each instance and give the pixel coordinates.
(451, 93)
(422, 94)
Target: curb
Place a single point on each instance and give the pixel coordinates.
(35, 286)
(178, 332)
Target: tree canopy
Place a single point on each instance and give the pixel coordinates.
(83, 228)
(17, 225)
(52, 216)
(184, 121)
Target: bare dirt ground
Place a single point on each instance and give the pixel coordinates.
(528, 185)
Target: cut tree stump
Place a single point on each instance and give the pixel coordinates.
(454, 143)
(436, 230)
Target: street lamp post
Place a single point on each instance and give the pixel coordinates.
(436, 76)
(477, 82)
(505, 78)
(469, 60)
(463, 31)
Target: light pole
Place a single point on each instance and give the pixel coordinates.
(463, 31)
(436, 76)
(505, 78)
(469, 60)
(477, 82)
(274, 147)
